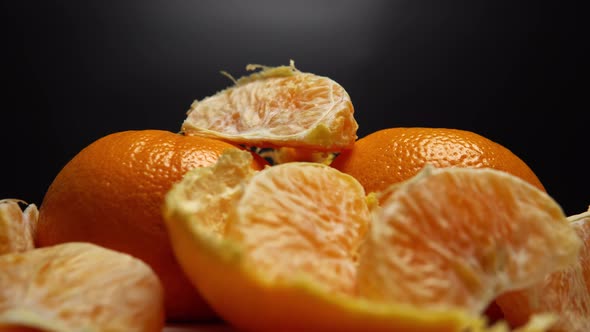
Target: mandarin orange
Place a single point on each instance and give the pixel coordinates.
(300, 247)
(111, 194)
(393, 155)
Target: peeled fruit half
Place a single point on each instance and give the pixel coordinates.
(564, 293)
(299, 246)
(17, 226)
(78, 287)
(276, 107)
(277, 250)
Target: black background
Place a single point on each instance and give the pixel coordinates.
(74, 71)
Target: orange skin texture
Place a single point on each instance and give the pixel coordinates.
(393, 155)
(111, 194)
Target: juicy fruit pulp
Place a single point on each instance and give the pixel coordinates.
(565, 293)
(17, 227)
(79, 287)
(459, 237)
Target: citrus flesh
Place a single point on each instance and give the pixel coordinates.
(277, 106)
(461, 236)
(292, 247)
(17, 226)
(285, 211)
(564, 293)
(78, 287)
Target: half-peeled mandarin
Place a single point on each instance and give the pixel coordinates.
(295, 246)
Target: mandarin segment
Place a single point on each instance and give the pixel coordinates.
(565, 293)
(458, 237)
(79, 287)
(17, 226)
(208, 193)
(277, 106)
(302, 218)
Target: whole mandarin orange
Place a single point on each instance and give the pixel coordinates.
(393, 155)
(111, 194)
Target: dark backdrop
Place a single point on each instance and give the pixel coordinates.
(74, 71)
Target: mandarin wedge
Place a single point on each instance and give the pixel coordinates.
(564, 293)
(458, 237)
(277, 106)
(17, 226)
(78, 287)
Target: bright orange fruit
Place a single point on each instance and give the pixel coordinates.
(111, 194)
(565, 293)
(392, 155)
(78, 287)
(298, 246)
(17, 227)
(276, 107)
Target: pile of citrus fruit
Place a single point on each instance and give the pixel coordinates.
(267, 212)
